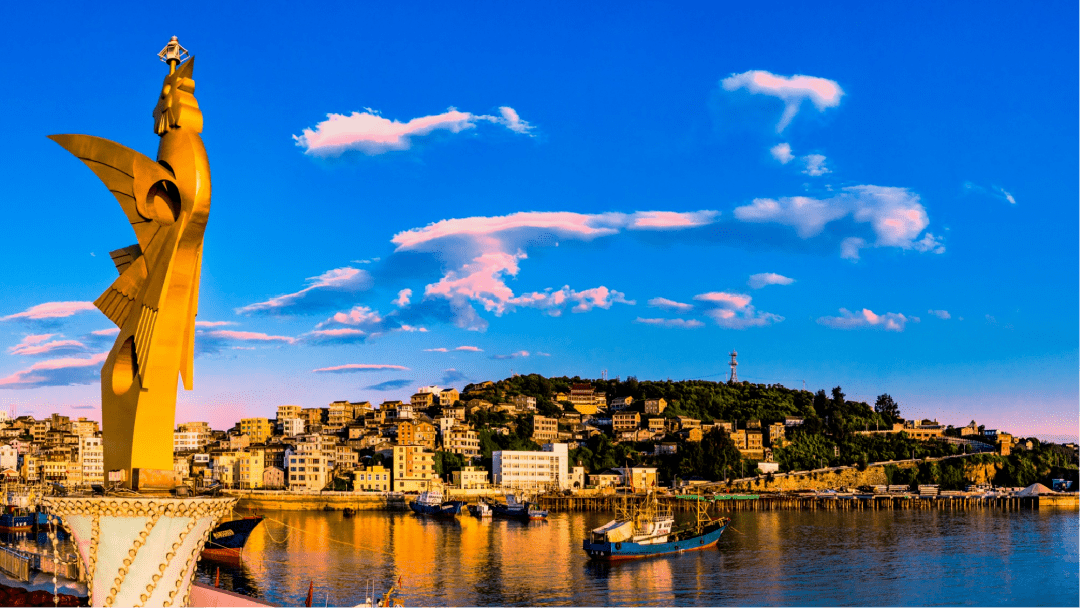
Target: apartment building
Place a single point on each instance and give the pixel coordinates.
(524, 403)
(414, 468)
(449, 396)
(532, 470)
(462, 440)
(92, 460)
(375, 478)
(625, 421)
(250, 469)
(258, 430)
(285, 412)
(416, 433)
(422, 400)
(291, 427)
(84, 428)
(308, 468)
(545, 430)
(655, 406)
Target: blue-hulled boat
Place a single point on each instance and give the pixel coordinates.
(228, 538)
(431, 503)
(516, 509)
(648, 530)
(17, 519)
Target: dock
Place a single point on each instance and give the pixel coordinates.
(726, 503)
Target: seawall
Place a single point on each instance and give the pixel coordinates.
(266, 500)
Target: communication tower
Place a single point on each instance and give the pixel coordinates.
(734, 376)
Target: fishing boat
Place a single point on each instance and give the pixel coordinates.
(648, 529)
(430, 502)
(228, 538)
(481, 509)
(18, 514)
(518, 509)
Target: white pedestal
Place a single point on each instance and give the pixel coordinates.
(139, 551)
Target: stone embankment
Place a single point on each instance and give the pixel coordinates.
(270, 500)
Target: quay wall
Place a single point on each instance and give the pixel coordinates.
(266, 500)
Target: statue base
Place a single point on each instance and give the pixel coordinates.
(138, 550)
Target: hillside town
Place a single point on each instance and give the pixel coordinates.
(433, 439)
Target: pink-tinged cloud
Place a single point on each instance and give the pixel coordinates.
(51, 310)
(403, 297)
(661, 220)
(436, 350)
(895, 215)
(815, 165)
(733, 311)
(338, 333)
(112, 331)
(667, 304)
(471, 349)
(249, 336)
(552, 302)
(519, 355)
(941, 314)
(866, 318)
(37, 345)
(757, 281)
(324, 290)
(782, 153)
(358, 316)
(56, 372)
(725, 299)
(370, 133)
(823, 93)
(213, 323)
(359, 367)
(677, 323)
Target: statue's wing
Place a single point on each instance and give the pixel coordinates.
(131, 177)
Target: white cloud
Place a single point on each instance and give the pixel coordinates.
(678, 323)
(823, 93)
(895, 215)
(370, 133)
(757, 281)
(733, 310)
(941, 314)
(51, 310)
(1008, 197)
(667, 304)
(815, 165)
(849, 247)
(889, 321)
(359, 367)
(782, 153)
(325, 290)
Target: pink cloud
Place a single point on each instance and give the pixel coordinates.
(658, 220)
(733, 311)
(338, 333)
(403, 297)
(723, 298)
(56, 372)
(889, 321)
(213, 323)
(941, 314)
(36, 345)
(249, 336)
(471, 349)
(327, 286)
(782, 153)
(359, 315)
(678, 323)
(51, 310)
(823, 93)
(359, 367)
(112, 331)
(370, 133)
(757, 281)
(667, 304)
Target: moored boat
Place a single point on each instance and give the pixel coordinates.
(431, 502)
(481, 509)
(228, 538)
(648, 529)
(517, 509)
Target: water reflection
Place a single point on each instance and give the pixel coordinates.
(774, 558)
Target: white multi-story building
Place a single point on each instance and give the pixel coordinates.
(9, 457)
(92, 460)
(291, 427)
(532, 470)
(191, 437)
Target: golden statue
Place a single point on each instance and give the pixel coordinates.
(155, 299)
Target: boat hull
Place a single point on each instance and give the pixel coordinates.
(518, 513)
(9, 522)
(449, 508)
(229, 538)
(607, 551)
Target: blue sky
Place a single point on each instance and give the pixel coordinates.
(878, 197)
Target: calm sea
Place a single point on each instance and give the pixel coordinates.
(906, 558)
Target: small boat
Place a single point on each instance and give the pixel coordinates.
(228, 538)
(17, 519)
(516, 509)
(431, 502)
(481, 509)
(348, 512)
(647, 530)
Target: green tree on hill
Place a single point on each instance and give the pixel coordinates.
(888, 408)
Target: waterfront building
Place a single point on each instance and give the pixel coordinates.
(532, 470)
(414, 468)
(91, 460)
(638, 478)
(308, 468)
(258, 430)
(223, 468)
(250, 468)
(606, 479)
(655, 406)
(375, 478)
(463, 440)
(273, 478)
(625, 421)
(470, 478)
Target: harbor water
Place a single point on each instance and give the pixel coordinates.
(916, 557)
